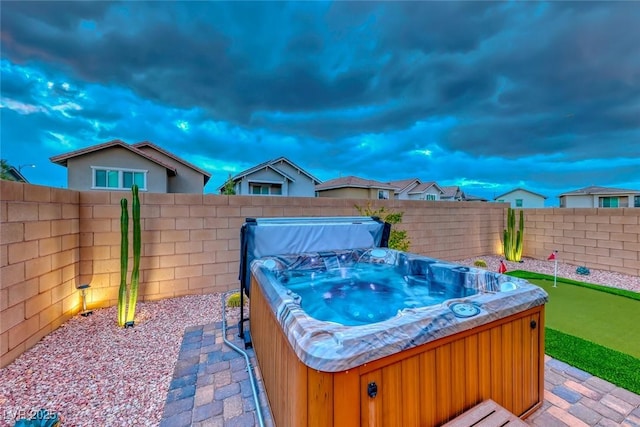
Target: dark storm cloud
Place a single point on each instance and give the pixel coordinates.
(482, 85)
(434, 58)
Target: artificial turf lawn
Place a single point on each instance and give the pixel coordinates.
(587, 312)
(610, 365)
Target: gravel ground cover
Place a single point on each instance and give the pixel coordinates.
(598, 277)
(91, 372)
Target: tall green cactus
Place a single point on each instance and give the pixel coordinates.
(135, 272)
(124, 262)
(512, 238)
(127, 310)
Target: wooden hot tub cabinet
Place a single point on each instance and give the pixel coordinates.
(426, 385)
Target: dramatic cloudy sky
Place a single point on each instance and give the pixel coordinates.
(488, 96)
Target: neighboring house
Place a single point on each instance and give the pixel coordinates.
(452, 193)
(188, 179)
(277, 177)
(116, 165)
(472, 198)
(414, 189)
(15, 174)
(353, 187)
(521, 198)
(600, 197)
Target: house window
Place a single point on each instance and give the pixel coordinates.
(266, 189)
(431, 197)
(118, 179)
(383, 194)
(608, 202)
(518, 203)
(636, 202)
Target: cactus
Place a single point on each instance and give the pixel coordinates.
(234, 300)
(127, 309)
(512, 238)
(124, 262)
(135, 272)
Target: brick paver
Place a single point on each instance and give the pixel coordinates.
(211, 388)
(210, 385)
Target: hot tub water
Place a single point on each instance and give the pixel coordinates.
(362, 293)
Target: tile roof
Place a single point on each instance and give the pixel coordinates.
(353, 181)
(520, 189)
(273, 165)
(472, 198)
(421, 188)
(594, 189)
(143, 144)
(402, 184)
(450, 191)
(62, 158)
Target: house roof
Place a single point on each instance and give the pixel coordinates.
(62, 158)
(451, 191)
(144, 144)
(472, 198)
(594, 189)
(353, 182)
(421, 188)
(17, 176)
(272, 164)
(403, 184)
(520, 189)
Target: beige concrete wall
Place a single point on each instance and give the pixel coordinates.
(39, 259)
(605, 239)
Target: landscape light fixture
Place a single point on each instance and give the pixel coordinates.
(83, 294)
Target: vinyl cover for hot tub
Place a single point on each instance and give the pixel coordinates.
(261, 237)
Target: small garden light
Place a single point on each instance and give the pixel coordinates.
(83, 294)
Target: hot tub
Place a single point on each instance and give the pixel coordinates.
(373, 336)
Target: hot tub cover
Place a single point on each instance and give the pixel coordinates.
(260, 237)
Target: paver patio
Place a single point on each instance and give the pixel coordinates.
(211, 387)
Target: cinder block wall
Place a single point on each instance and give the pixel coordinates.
(605, 239)
(191, 242)
(38, 264)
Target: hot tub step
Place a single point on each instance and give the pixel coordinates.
(486, 414)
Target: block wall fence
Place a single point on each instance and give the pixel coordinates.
(53, 240)
(605, 239)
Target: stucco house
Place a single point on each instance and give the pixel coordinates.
(521, 198)
(600, 197)
(414, 189)
(353, 187)
(277, 177)
(116, 165)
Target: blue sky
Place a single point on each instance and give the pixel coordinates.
(488, 96)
